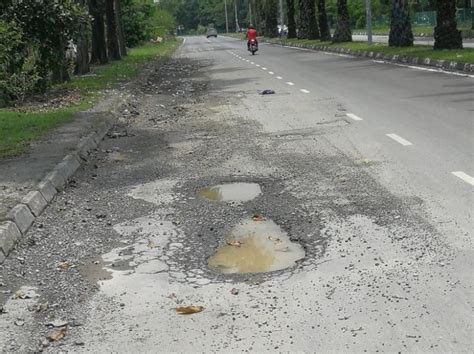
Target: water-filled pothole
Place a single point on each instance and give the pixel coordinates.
(255, 247)
(231, 192)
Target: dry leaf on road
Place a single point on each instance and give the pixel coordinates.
(235, 243)
(57, 335)
(187, 310)
(64, 265)
(257, 217)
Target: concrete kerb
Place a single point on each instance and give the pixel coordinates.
(440, 64)
(23, 215)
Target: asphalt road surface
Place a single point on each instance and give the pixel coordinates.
(334, 215)
(467, 42)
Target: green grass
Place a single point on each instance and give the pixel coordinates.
(417, 30)
(420, 51)
(19, 128)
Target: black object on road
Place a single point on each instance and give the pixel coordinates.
(267, 92)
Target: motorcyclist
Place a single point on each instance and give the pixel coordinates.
(251, 35)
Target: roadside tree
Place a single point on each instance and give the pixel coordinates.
(400, 34)
(446, 34)
(343, 30)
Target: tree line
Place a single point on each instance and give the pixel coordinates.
(311, 19)
(46, 41)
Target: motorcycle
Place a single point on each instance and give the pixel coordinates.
(253, 47)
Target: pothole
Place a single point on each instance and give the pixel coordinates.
(256, 247)
(232, 192)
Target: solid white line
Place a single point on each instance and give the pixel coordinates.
(304, 90)
(399, 139)
(290, 83)
(464, 176)
(279, 78)
(271, 72)
(353, 116)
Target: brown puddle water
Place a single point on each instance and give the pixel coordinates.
(256, 247)
(231, 192)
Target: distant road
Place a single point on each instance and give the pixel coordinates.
(467, 42)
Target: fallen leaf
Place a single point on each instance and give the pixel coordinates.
(257, 217)
(172, 296)
(234, 291)
(57, 335)
(152, 244)
(187, 310)
(64, 265)
(235, 243)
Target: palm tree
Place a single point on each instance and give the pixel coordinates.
(446, 34)
(271, 18)
(343, 30)
(400, 26)
(323, 21)
(307, 24)
(290, 11)
(99, 47)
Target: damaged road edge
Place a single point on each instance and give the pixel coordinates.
(22, 216)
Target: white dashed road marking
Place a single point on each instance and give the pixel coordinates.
(264, 68)
(399, 139)
(353, 116)
(290, 83)
(464, 176)
(252, 63)
(257, 65)
(279, 78)
(271, 72)
(304, 90)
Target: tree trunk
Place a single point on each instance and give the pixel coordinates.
(82, 55)
(113, 43)
(343, 29)
(400, 25)
(123, 43)
(323, 21)
(446, 34)
(290, 8)
(271, 18)
(307, 24)
(60, 71)
(99, 49)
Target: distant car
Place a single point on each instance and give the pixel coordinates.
(211, 32)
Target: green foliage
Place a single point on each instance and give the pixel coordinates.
(18, 128)
(18, 64)
(144, 21)
(48, 24)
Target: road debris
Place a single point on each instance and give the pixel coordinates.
(188, 310)
(57, 335)
(266, 92)
(235, 243)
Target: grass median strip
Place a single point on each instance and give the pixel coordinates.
(20, 126)
(421, 51)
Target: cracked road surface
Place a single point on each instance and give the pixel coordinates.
(344, 235)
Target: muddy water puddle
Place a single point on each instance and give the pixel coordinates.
(231, 192)
(256, 247)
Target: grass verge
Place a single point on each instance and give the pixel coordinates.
(17, 128)
(421, 51)
(463, 55)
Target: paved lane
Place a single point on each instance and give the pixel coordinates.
(431, 111)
